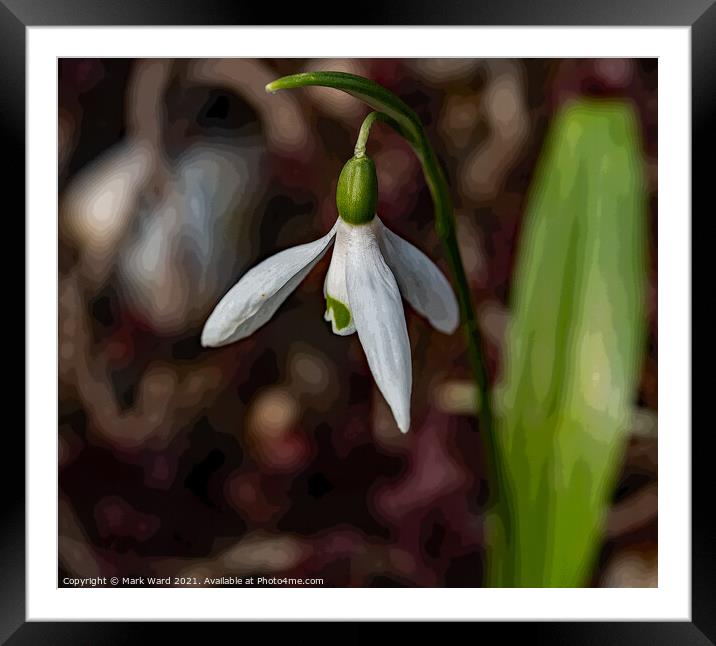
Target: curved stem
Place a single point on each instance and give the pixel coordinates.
(398, 115)
(362, 140)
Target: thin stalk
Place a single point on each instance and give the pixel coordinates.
(362, 140)
(399, 116)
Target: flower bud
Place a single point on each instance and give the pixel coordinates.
(357, 191)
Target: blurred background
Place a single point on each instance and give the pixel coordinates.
(276, 455)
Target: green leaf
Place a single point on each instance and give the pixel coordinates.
(574, 347)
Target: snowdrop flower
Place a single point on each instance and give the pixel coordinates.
(370, 268)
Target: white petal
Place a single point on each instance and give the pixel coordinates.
(335, 288)
(422, 284)
(379, 319)
(260, 292)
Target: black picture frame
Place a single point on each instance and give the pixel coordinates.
(700, 15)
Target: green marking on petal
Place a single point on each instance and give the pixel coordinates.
(341, 313)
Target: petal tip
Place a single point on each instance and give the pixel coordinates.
(450, 327)
(208, 340)
(402, 417)
(446, 327)
(212, 336)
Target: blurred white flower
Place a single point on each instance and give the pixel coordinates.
(183, 248)
(100, 203)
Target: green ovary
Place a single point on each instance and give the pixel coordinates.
(341, 314)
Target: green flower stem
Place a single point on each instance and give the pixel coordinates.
(365, 130)
(404, 120)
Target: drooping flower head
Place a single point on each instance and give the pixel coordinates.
(370, 268)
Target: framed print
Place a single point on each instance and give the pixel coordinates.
(317, 312)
